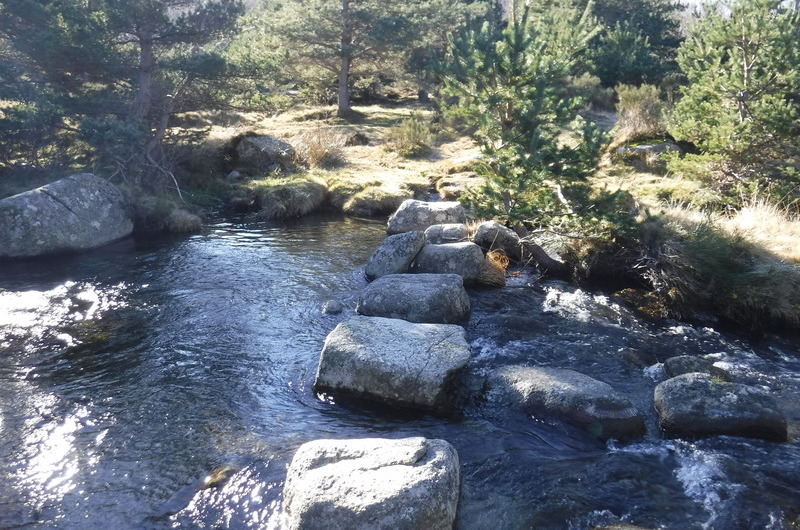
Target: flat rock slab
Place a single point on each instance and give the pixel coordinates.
(78, 212)
(570, 396)
(695, 405)
(687, 364)
(394, 361)
(419, 215)
(432, 298)
(465, 259)
(446, 233)
(373, 484)
(395, 254)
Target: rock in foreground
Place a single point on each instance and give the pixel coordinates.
(394, 361)
(573, 397)
(419, 215)
(395, 254)
(78, 212)
(696, 406)
(373, 484)
(432, 298)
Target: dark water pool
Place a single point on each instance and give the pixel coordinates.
(131, 373)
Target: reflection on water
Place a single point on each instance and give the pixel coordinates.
(130, 374)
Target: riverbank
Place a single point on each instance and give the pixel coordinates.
(673, 257)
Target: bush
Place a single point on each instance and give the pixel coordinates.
(322, 148)
(641, 114)
(412, 137)
(288, 197)
(711, 263)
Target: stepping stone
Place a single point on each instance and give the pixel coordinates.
(694, 405)
(447, 233)
(373, 484)
(432, 298)
(393, 361)
(464, 259)
(569, 396)
(395, 254)
(419, 215)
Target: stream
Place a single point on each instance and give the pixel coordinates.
(131, 374)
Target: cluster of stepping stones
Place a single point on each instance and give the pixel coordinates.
(406, 348)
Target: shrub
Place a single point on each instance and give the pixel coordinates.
(641, 114)
(712, 263)
(322, 147)
(411, 137)
(288, 197)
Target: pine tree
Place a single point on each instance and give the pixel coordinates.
(507, 81)
(743, 67)
(328, 42)
(117, 70)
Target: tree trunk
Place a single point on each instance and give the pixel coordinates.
(144, 96)
(347, 57)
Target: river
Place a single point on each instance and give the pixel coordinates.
(131, 373)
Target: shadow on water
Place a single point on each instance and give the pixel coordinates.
(134, 374)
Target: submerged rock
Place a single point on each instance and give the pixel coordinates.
(433, 298)
(569, 396)
(686, 364)
(465, 259)
(394, 361)
(373, 484)
(446, 233)
(695, 405)
(78, 212)
(395, 254)
(419, 215)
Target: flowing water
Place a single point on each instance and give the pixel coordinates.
(132, 373)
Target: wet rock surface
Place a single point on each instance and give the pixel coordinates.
(695, 405)
(569, 396)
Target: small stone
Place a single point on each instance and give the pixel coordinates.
(332, 307)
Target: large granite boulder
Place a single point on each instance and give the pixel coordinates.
(491, 235)
(569, 396)
(687, 364)
(465, 259)
(78, 212)
(394, 361)
(696, 405)
(446, 233)
(264, 153)
(433, 298)
(395, 254)
(373, 484)
(419, 215)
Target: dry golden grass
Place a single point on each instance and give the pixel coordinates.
(493, 269)
(744, 267)
(768, 228)
(360, 178)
